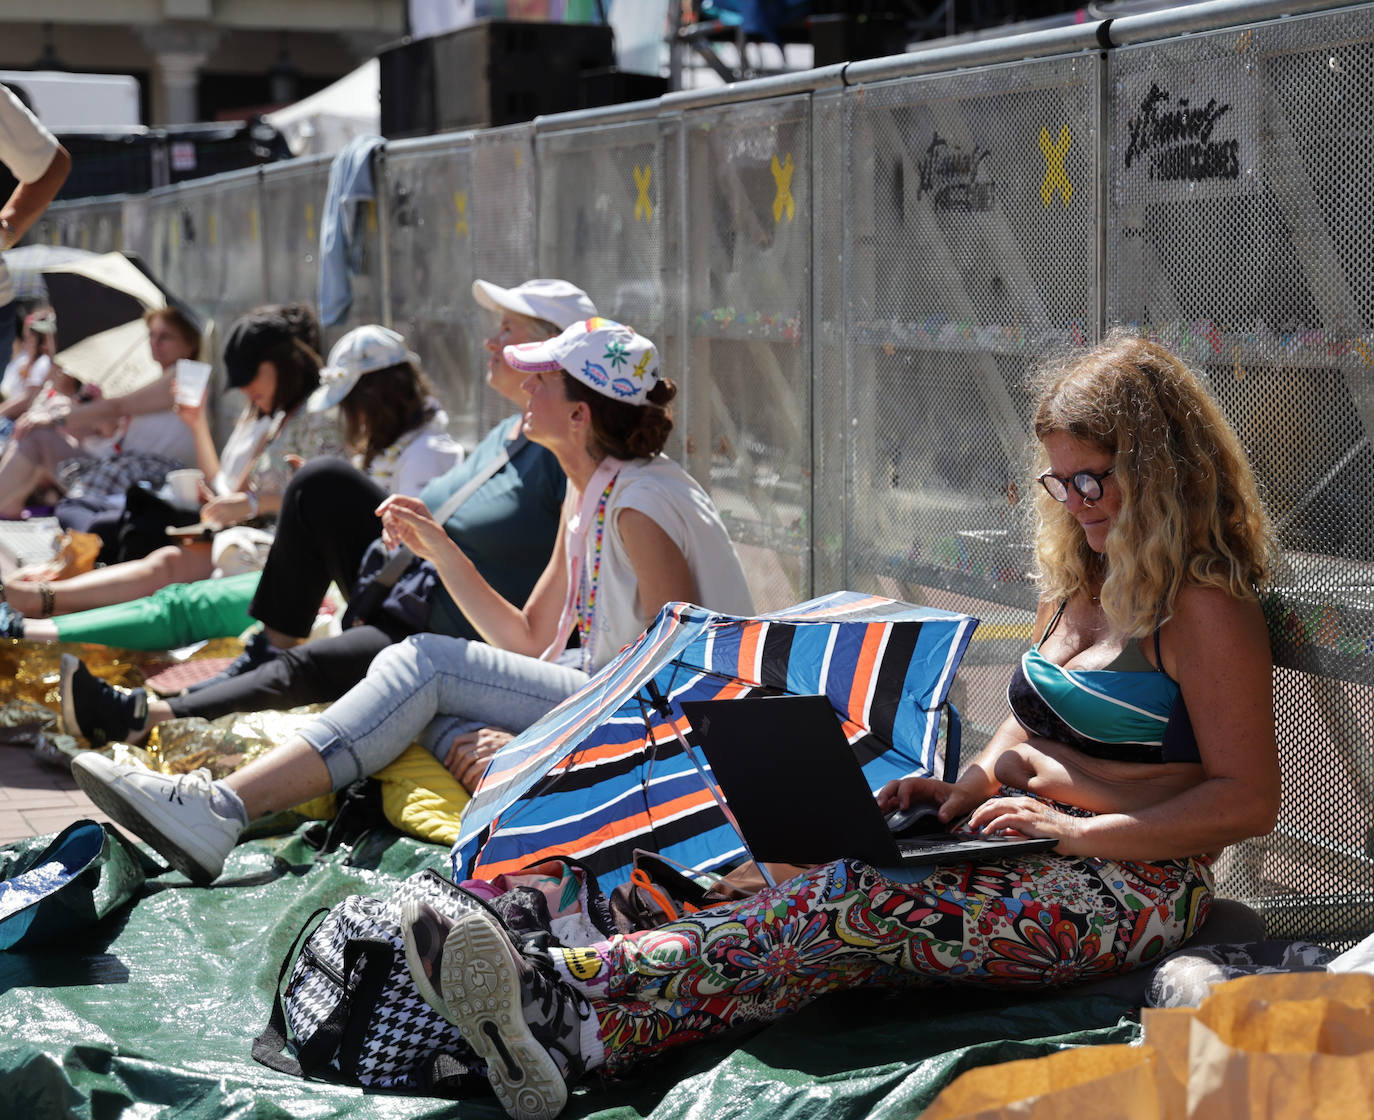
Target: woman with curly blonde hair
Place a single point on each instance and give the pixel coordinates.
(1191, 512)
(1141, 740)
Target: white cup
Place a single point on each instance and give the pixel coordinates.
(185, 487)
(192, 378)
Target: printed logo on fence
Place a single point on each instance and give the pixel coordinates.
(1178, 139)
(956, 177)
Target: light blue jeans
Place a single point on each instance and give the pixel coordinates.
(431, 688)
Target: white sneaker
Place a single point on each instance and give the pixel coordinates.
(172, 812)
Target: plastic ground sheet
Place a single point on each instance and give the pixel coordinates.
(152, 1014)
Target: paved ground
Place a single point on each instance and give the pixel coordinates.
(37, 799)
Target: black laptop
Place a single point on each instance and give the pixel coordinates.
(799, 795)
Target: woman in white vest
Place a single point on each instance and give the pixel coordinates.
(638, 532)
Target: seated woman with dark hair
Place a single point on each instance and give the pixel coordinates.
(269, 362)
(1141, 738)
(637, 533)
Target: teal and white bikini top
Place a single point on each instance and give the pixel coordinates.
(1129, 711)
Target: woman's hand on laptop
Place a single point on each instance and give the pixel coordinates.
(955, 799)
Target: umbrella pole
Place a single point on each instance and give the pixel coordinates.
(660, 704)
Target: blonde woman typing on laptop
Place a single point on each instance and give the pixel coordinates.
(1142, 738)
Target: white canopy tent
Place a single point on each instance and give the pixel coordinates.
(325, 121)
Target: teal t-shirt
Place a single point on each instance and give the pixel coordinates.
(507, 527)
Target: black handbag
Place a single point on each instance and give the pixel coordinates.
(144, 523)
(396, 591)
(403, 596)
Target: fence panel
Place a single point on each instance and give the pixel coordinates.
(1237, 241)
(747, 251)
(971, 208)
(601, 216)
(830, 373)
(505, 229)
(292, 199)
(97, 226)
(430, 220)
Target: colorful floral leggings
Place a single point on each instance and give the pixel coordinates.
(1038, 921)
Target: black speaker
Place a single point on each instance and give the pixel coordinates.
(492, 73)
(406, 83)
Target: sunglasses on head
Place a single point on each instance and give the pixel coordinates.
(1087, 485)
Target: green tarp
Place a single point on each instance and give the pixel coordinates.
(153, 1013)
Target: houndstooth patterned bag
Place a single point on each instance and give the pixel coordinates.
(351, 1011)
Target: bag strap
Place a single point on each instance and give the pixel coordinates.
(268, 1047)
(400, 560)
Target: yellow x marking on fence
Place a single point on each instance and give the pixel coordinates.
(1055, 179)
(644, 208)
(460, 204)
(310, 221)
(782, 176)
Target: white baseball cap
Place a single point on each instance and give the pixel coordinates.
(362, 350)
(556, 301)
(602, 354)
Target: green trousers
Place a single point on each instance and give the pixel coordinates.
(174, 616)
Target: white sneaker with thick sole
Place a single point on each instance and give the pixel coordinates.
(481, 984)
(172, 812)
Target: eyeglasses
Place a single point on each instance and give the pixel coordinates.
(1088, 485)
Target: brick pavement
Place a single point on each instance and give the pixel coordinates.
(36, 799)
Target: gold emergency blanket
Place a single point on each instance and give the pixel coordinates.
(419, 796)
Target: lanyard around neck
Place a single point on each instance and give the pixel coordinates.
(591, 510)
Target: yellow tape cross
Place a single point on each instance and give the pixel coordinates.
(782, 176)
(644, 208)
(214, 228)
(1055, 179)
(460, 204)
(310, 221)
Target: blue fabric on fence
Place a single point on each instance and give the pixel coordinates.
(350, 184)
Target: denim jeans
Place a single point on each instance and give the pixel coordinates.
(431, 687)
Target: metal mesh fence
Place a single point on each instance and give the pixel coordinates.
(505, 235)
(968, 252)
(747, 259)
(829, 368)
(1237, 240)
(600, 218)
(292, 198)
(430, 230)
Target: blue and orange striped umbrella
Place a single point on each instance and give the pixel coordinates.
(604, 773)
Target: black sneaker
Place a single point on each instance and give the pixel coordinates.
(257, 650)
(522, 1018)
(96, 711)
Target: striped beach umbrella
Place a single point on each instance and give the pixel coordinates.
(605, 772)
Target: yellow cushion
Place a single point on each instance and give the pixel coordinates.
(419, 796)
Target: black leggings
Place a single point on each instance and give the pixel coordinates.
(316, 673)
(326, 524)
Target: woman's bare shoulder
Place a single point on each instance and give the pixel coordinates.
(1208, 622)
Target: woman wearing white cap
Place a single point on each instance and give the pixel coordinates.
(507, 524)
(637, 532)
(392, 424)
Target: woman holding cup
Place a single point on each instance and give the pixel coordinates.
(96, 448)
